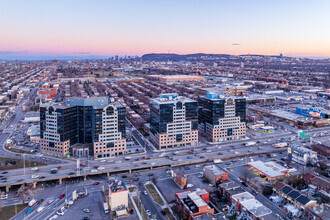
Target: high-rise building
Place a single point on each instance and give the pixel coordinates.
(221, 118)
(173, 121)
(82, 127)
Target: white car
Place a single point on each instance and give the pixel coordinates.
(40, 208)
(93, 170)
(101, 168)
(128, 158)
(209, 151)
(35, 169)
(59, 212)
(54, 217)
(35, 176)
(145, 192)
(51, 201)
(189, 185)
(148, 212)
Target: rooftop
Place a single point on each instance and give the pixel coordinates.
(215, 170)
(117, 184)
(270, 169)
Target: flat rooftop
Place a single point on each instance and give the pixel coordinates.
(214, 169)
(256, 208)
(117, 184)
(244, 196)
(270, 169)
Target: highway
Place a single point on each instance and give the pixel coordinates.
(136, 162)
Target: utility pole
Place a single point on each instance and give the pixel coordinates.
(24, 162)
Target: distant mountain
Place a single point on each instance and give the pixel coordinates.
(178, 57)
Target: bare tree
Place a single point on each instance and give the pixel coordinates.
(247, 175)
(24, 192)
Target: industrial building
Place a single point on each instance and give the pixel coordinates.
(118, 196)
(214, 174)
(96, 124)
(173, 121)
(221, 118)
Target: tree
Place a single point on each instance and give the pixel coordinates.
(24, 192)
(247, 175)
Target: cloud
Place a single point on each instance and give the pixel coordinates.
(12, 52)
(235, 44)
(83, 53)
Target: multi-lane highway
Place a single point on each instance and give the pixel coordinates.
(173, 157)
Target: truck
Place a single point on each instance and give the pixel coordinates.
(250, 143)
(32, 202)
(283, 144)
(106, 208)
(217, 161)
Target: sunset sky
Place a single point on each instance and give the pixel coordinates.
(135, 27)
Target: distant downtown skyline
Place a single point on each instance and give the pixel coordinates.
(84, 28)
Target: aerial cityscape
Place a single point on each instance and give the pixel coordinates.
(165, 110)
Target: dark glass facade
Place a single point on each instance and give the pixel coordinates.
(210, 110)
(162, 114)
(81, 124)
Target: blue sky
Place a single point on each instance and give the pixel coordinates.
(135, 27)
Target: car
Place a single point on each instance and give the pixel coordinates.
(163, 212)
(202, 157)
(87, 210)
(143, 158)
(72, 173)
(40, 208)
(96, 183)
(209, 151)
(54, 217)
(59, 212)
(96, 167)
(62, 196)
(51, 201)
(187, 168)
(220, 153)
(189, 152)
(59, 167)
(93, 170)
(35, 169)
(150, 174)
(148, 212)
(136, 178)
(101, 168)
(20, 180)
(42, 177)
(189, 185)
(29, 210)
(227, 163)
(86, 218)
(35, 176)
(200, 176)
(4, 172)
(189, 157)
(145, 192)
(123, 176)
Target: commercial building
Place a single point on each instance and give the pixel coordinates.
(194, 203)
(214, 174)
(269, 170)
(302, 155)
(179, 177)
(221, 118)
(118, 196)
(173, 121)
(322, 149)
(245, 204)
(93, 121)
(175, 78)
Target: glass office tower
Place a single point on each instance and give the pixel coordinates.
(74, 126)
(173, 121)
(221, 118)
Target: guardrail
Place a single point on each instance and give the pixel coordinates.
(146, 166)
